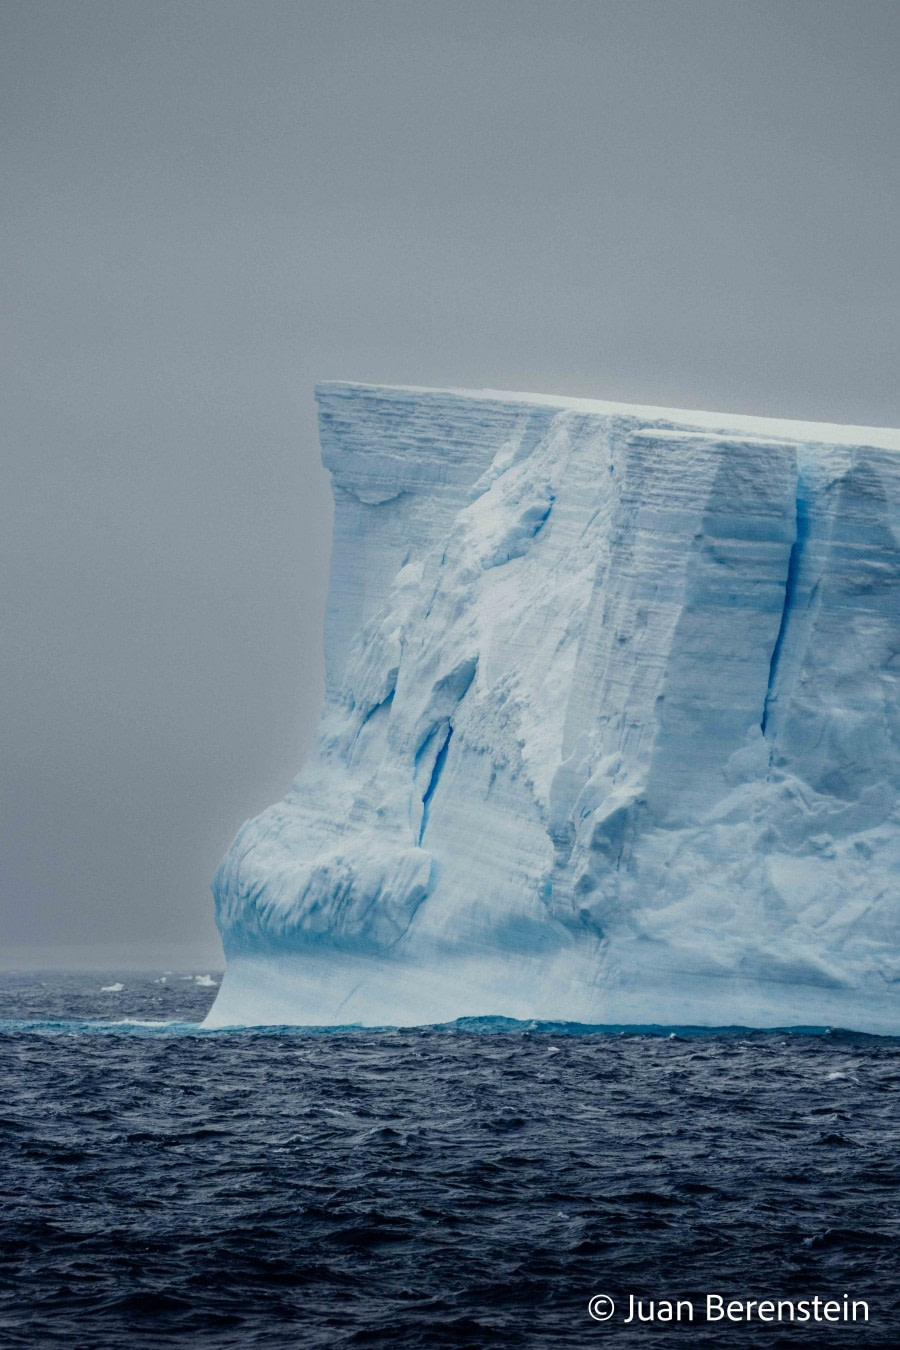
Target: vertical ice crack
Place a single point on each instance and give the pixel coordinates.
(437, 770)
(788, 606)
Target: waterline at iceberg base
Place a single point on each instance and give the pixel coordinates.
(611, 730)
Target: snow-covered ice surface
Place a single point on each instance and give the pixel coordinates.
(611, 729)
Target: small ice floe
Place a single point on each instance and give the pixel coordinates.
(111, 988)
(206, 981)
(162, 980)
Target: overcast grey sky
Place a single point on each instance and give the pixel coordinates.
(212, 204)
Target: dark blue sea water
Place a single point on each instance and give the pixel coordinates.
(447, 1187)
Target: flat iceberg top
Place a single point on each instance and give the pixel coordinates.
(781, 428)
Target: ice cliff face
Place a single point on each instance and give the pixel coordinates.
(611, 730)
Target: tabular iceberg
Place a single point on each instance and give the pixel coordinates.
(611, 731)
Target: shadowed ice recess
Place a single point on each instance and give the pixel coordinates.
(611, 734)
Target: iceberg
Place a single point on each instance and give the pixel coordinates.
(611, 730)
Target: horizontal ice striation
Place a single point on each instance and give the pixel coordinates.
(611, 729)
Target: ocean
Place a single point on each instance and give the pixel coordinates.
(476, 1185)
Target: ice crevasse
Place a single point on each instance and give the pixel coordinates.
(611, 730)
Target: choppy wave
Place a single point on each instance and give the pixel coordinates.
(471, 1185)
(462, 1026)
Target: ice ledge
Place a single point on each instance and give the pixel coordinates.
(792, 429)
(321, 990)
